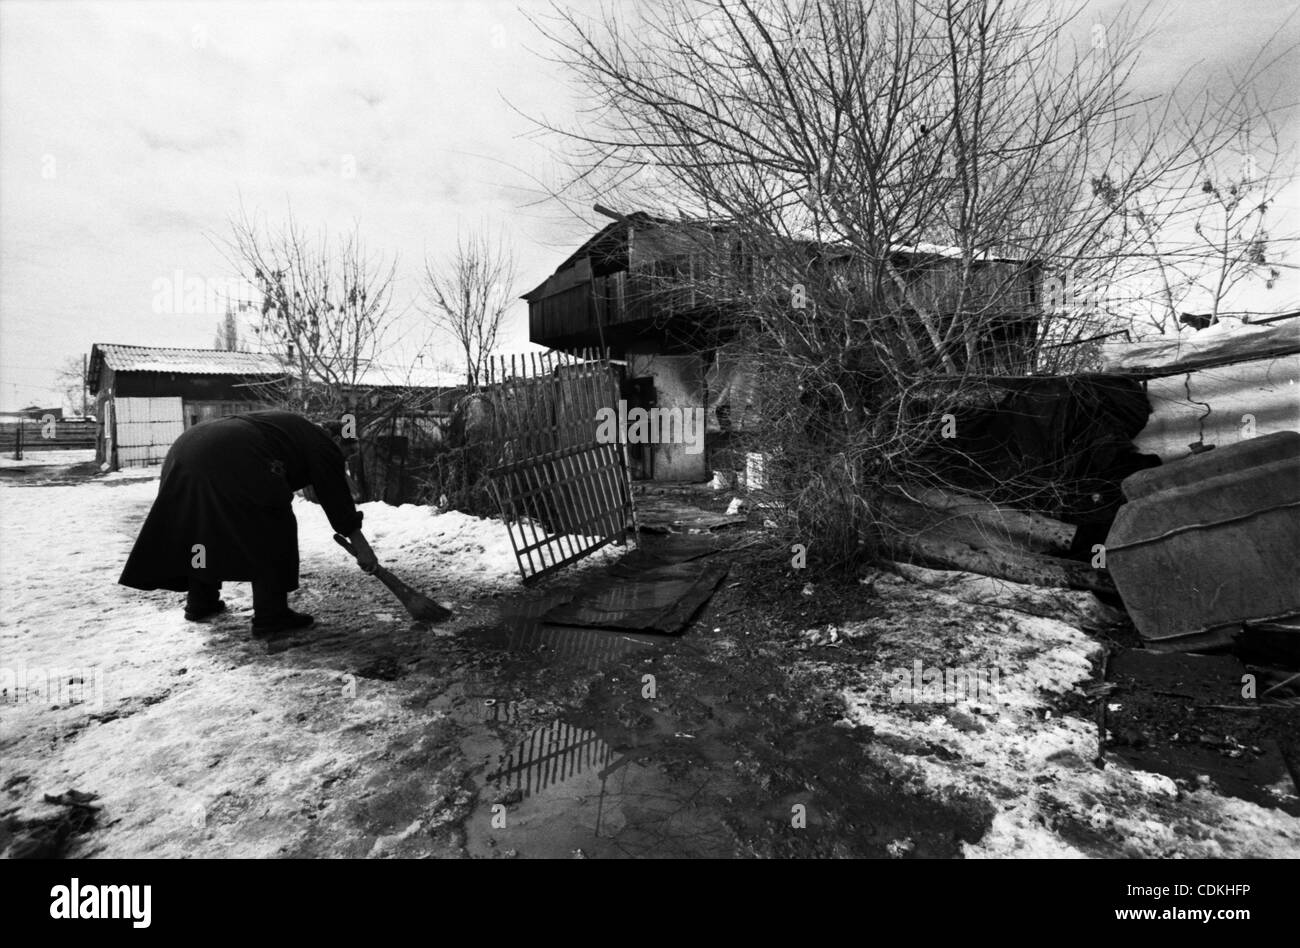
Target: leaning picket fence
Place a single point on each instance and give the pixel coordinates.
(562, 492)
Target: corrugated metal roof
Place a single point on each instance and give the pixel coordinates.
(1221, 406)
(121, 358)
(187, 361)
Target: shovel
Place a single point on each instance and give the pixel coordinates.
(418, 605)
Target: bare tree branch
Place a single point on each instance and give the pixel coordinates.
(468, 295)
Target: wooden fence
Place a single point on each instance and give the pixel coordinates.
(561, 482)
(32, 434)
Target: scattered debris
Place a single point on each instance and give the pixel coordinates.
(661, 514)
(820, 638)
(1174, 716)
(49, 837)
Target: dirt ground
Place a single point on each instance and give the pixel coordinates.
(774, 726)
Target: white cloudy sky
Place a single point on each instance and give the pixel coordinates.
(158, 119)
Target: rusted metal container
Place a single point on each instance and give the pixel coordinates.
(1206, 544)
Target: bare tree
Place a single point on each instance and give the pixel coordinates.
(1205, 232)
(227, 337)
(325, 310)
(468, 295)
(70, 381)
(1231, 227)
(876, 188)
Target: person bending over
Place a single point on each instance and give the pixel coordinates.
(224, 513)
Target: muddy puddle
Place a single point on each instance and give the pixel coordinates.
(561, 786)
(593, 743)
(507, 736)
(563, 789)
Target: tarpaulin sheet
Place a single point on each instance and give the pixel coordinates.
(1059, 445)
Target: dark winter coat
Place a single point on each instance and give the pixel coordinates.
(223, 510)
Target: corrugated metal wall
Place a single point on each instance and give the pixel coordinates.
(1224, 405)
(146, 428)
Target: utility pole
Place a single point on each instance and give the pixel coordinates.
(85, 386)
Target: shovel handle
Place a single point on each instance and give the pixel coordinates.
(347, 545)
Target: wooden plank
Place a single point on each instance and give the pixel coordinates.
(586, 473)
(528, 519)
(963, 513)
(546, 571)
(1028, 568)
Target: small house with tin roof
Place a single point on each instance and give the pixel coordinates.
(145, 396)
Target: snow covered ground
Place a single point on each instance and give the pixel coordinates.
(181, 728)
(988, 731)
(57, 456)
(199, 741)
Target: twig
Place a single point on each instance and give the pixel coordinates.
(1280, 684)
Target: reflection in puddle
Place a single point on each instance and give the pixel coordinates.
(564, 789)
(523, 632)
(550, 755)
(572, 792)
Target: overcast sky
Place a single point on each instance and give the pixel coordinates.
(131, 131)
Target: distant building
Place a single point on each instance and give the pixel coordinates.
(37, 413)
(146, 396)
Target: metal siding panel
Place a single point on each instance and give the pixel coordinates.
(1220, 398)
(147, 428)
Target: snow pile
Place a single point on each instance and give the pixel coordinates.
(446, 547)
